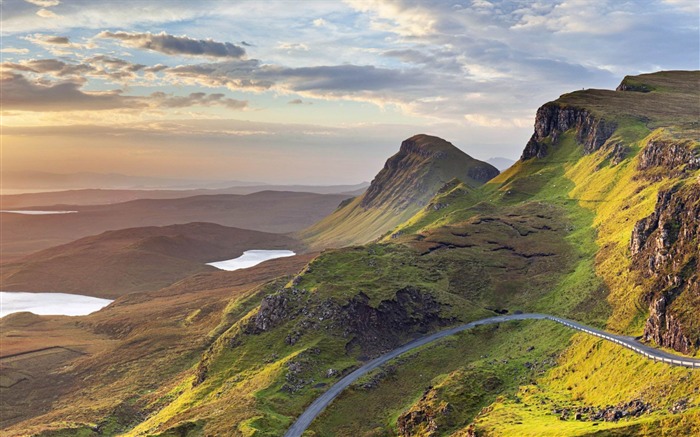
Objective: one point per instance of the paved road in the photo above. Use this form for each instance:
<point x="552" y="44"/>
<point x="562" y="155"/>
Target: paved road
<point x="326" y="398"/>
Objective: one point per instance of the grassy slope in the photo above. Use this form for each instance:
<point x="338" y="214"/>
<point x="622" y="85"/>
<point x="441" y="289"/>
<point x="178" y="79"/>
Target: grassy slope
<point x="547" y="235"/>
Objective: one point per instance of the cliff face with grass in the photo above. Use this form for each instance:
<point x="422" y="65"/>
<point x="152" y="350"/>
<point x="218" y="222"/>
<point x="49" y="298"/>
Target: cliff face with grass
<point x="406" y="184"/>
<point x="598" y="223"/>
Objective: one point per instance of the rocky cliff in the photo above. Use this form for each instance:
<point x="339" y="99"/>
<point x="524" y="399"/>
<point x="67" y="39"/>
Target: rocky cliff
<point x="554" y="119"/>
<point x="665" y="248"/>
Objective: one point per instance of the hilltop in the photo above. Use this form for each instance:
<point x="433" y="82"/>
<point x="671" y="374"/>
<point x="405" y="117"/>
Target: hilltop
<point x="135" y="259"/>
<point x="406" y="184"/>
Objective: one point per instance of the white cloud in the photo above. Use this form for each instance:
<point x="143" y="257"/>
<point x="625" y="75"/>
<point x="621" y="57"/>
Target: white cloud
<point x="44" y="3"/>
<point x="14" y="50"/>
<point x="45" y="13"/>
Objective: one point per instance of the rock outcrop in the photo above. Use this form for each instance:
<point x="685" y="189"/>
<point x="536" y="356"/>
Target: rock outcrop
<point x="672" y="156"/>
<point x="665" y="248"/>
<point x="370" y="330"/>
<point x="554" y="119"/>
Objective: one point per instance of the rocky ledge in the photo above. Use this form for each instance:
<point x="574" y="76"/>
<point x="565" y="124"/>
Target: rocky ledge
<point x="554" y="119"/>
<point x="673" y="156"/>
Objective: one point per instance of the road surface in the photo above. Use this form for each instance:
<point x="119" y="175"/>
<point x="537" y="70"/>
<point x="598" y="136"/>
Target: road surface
<point x="326" y="398"/>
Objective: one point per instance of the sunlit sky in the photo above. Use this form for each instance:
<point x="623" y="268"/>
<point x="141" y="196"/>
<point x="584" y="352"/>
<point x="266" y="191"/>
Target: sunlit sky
<point x="314" y="92"/>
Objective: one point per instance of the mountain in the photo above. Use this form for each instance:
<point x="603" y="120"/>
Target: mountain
<point x="406" y="184"/>
<point x="136" y="259"/>
<point x="33" y="180"/>
<point x="597" y="222"/>
<point x="266" y="211"/>
<point x="500" y="163"/>
<point x="105" y="196"/>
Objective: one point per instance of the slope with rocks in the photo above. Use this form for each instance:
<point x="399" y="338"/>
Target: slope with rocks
<point x="407" y="182"/>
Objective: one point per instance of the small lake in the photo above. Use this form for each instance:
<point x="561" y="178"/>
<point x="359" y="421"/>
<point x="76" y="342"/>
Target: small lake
<point x="60" y="304"/>
<point x="250" y="258"/>
<point x="35" y="212"/>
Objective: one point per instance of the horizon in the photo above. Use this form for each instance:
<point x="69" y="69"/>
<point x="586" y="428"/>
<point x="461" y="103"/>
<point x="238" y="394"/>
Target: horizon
<point x="319" y="94"/>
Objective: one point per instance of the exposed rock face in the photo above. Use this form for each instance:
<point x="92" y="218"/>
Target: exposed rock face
<point x="553" y="119"/>
<point x="409" y="176"/>
<point x="674" y="156"/>
<point x="371" y="330"/>
<point x="425" y="419"/>
<point x="665" y="248"/>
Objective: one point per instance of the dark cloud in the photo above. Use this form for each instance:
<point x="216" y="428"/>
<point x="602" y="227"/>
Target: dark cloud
<point x="296" y="102"/>
<point x="52" y="66"/>
<point x="241" y="74"/>
<point x="343" y="79"/>
<point x="19" y="93"/>
<point x="60" y="40"/>
<point x="176" y="45"/>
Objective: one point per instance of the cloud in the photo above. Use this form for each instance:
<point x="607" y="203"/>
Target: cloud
<point x="176" y="45"/>
<point x="14" y="50"/>
<point x="491" y="121"/>
<point x="53" y="66"/>
<point x="299" y="102"/>
<point x="19" y="93"/>
<point x="402" y="18"/>
<point x="239" y="74"/>
<point x="23" y="94"/>
<point x="100" y="66"/>
<point x="45" y="13"/>
<point x="44" y="3"/>
<point x="320" y="22"/>
<point x="57" y="45"/>
<point x="293" y="46"/>
<point x="198" y="99"/>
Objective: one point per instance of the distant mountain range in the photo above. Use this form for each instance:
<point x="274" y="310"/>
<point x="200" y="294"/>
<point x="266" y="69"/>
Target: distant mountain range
<point x="266" y="211"/>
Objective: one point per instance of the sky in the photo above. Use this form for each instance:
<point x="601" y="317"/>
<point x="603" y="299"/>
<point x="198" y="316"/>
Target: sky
<point x="313" y="92"/>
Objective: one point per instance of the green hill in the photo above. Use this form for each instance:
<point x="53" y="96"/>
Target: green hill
<point x="406" y="184"/>
<point x="598" y="222"/>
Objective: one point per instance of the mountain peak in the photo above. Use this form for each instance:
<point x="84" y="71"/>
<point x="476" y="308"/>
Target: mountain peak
<point x="428" y="146"/>
<point x="408" y="181"/>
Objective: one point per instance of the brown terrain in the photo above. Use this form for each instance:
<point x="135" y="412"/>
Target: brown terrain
<point x="267" y="211"/>
<point x="59" y="363"/>
<point x="97" y="196"/>
<point x="114" y="263"/>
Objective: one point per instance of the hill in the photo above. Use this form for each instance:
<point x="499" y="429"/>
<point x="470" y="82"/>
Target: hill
<point x="136" y="259"/>
<point x="105" y="196"/>
<point x="266" y="211"/>
<point x="597" y="222"/>
<point x="406" y="184"/>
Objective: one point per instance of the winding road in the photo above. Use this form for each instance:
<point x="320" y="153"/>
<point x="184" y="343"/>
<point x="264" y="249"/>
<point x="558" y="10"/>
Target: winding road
<point x="303" y="422"/>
